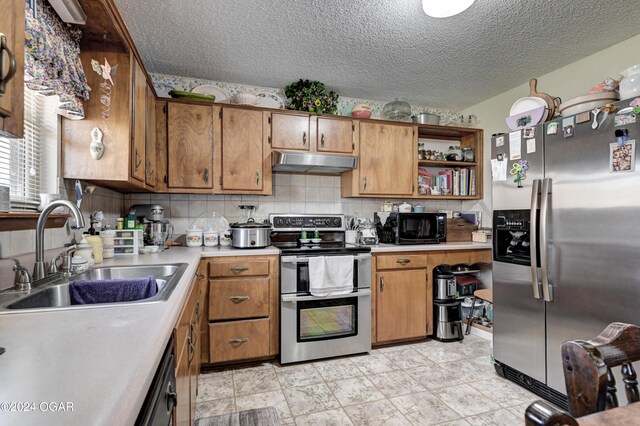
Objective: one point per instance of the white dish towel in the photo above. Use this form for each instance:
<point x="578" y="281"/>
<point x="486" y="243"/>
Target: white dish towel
<point x="331" y="275"/>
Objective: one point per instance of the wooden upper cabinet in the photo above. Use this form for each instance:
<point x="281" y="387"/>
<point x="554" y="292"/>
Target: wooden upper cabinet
<point x="242" y="152"/>
<point x="189" y="145"/>
<point x="12" y="78"/>
<point x="139" y="120"/>
<point x="335" y="136"/>
<point x="242" y="160"/>
<point x="150" y="170"/>
<point x="387" y="160"/>
<point x="290" y="131"/>
<point x="401" y="299"/>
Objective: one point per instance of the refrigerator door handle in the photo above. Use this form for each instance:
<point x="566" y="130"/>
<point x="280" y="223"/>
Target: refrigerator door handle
<point x="544" y="218"/>
<point x="533" y="248"/>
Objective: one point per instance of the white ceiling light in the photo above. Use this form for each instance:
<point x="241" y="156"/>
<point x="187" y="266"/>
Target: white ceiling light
<point x="445" y="8"/>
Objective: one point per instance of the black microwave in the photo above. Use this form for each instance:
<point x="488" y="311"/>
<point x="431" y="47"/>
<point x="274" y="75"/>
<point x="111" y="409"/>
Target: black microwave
<point x="411" y="228"/>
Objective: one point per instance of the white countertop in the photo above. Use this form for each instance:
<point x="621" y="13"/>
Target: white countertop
<point x="392" y="248"/>
<point x="102" y="359"/>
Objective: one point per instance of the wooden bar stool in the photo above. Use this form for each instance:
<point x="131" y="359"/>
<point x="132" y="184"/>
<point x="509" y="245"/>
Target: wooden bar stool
<point x="483" y="294"/>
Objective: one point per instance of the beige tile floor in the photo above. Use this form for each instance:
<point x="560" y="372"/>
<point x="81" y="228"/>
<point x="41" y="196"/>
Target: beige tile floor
<point x="425" y="383"/>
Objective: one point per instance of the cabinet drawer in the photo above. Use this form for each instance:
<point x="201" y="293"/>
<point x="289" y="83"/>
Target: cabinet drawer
<point x="238" y="268"/>
<point x="401" y="261"/>
<point x="238" y="340"/>
<point x="238" y="298"/>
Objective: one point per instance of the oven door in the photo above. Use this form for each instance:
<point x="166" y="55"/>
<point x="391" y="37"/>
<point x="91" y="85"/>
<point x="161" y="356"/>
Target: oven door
<point x="294" y="273"/>
<point x="421" y="228"/>
<point x="320" y="327"/>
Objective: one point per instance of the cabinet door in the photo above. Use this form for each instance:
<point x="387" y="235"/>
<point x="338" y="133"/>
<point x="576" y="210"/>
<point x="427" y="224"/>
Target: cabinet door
<point x="335" y="135"/>
<point x="386" y="159"/>
<point x="401" y="304"/>
<point x="242" y="150"/>
<point x="182" y="412"/>
<point x="12" y="78"/>
<point x="193" y="363"/>
<point x="151" y="139"/>
<point x="189" y="145"/>
<point x="138" y="150"/>
<point x="289" y="131"/>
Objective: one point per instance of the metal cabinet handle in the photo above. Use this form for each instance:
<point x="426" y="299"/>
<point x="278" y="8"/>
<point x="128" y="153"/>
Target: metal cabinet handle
<point x="192" y="347"/>
<point x="321" y="140"/>
<point x="12" y="64"/>
<point x="257" y="177"/>
<point x="381" y="284"/>
<point x="138" y="159"/>
<point x="206" y="174"/>
<point x="365" y="183"/>
<point x="533" y="248"/>
<point x="239" y="268"/>
<point x="240" y="340"/>
<point x="304" y="138"/>
<point x="200" y="277"/>
<point x="238" y="299"/>
<point x="544" y="259"/>
<point x="149" y="168"/>
<point x="198" y="310"/>
<point x="403" y="261"/>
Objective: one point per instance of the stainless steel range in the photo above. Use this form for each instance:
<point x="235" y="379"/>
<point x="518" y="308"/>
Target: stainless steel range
<point x="313" y="327"/>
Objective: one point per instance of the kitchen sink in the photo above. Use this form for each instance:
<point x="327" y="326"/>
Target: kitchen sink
<point x="55" y="293"/>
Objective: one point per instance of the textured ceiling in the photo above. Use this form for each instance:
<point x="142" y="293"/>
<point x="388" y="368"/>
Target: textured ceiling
<point x="375" y="49"/>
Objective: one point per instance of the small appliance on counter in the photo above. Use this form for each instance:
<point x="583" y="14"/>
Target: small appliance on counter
<point x="446" y="308"/>
<point x="157" y="229"/>
<point x="411" y="228"/>
<point x="250" y="234"/>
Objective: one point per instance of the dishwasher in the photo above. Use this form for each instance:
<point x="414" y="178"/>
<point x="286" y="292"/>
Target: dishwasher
<point x="157" y="409"/>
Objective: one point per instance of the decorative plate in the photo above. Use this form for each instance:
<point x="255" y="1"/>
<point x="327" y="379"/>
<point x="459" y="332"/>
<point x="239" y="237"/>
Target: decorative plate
<point x="269" y="100"/>
<point x="222" y="97"/>
<point x="525" y="104"/>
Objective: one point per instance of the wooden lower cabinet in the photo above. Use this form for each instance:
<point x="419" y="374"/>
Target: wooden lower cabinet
<point x="187" y="355"/>
<point x="401" y="304"/>
<point x="238" y="340"/>
<point x="402" y="294"/>
<point x="242" y="309"/>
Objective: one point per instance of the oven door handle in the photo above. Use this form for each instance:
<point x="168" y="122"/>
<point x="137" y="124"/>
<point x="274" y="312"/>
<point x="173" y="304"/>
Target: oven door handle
<point x="293" y="298"/>
<point x="292" y="259"/>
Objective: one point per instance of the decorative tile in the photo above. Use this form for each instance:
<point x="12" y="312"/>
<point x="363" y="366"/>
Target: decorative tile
<point x="336" y="369"/>
<point x="377" y="413"/>
<point x="502" y="417"/>
<point x="310" y="399"/>
<point x="355" y="390"/>
<point x="423" y="408"/>
<point x="396" y="383"/>
<point x="256" y="380"/>
<point x="298" y="375"/>
<point x="261" y="400"/>
<point x="324" y="418"/>
<point x="504" y="392"/>
<point x="408" y="358"/>
<point x="215" y="386"/>
<point x="374" y="364"/>
<point x="465" y="400"/>
<point x="215" y="407"/>
<point x="435" y="376"/>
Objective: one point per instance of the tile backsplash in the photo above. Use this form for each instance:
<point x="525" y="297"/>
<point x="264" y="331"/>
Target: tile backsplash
<point x="292" y="193"/>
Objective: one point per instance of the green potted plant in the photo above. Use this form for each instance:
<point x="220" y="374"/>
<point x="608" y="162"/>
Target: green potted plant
<point x="311" y="96"/>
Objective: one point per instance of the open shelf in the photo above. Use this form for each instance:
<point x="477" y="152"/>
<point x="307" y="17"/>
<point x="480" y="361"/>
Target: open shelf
<point x="436" y="163"/>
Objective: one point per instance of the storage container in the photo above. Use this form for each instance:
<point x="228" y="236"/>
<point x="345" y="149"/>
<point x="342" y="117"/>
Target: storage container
<point x="478" y="309"/>
<point x="128" y="241"/>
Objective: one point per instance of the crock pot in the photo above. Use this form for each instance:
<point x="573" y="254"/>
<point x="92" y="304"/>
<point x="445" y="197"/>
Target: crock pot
<point x="250" y="234"/>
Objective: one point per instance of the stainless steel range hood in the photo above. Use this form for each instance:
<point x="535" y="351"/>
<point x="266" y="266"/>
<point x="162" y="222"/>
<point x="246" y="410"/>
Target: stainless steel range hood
<point x="302" y="162"/>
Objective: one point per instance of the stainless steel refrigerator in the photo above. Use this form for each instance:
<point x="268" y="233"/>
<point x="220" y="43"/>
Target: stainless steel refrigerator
<point x="566" y="243"/>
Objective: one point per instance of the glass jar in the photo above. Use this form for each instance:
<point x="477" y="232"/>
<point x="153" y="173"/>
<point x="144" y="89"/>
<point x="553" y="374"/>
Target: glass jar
<point x="468" y="155"/>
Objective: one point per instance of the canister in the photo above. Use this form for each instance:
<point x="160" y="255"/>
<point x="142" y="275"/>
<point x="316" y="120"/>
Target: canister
<point x="194" y="237"/>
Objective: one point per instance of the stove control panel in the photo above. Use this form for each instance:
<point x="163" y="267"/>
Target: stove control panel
<point x="300" y="221"/>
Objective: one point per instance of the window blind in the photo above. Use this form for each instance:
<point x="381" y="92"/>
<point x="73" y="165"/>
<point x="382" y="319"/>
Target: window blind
<point x="29" y="165"/>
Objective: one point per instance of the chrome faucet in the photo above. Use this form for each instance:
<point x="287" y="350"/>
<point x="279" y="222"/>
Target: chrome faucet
<point x="39" y="268"/>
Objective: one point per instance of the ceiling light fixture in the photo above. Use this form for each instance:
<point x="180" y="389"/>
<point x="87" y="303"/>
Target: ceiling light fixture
<point x="445" y="8"/>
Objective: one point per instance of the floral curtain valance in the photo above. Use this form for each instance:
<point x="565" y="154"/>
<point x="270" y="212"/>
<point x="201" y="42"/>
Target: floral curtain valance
<point x="52" y="58"/>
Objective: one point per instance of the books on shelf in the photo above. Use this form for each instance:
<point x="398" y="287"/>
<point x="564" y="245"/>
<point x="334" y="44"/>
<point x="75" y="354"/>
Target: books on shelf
<point x="456" y="182"/>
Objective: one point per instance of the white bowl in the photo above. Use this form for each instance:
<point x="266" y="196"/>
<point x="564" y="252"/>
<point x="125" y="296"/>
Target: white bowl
<point x="316" y="240"/>
<point x="152" y="249"/>
<point x="304" y="240"/>
<point x="245" y="98"/>
<point x="630" y="84"/>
